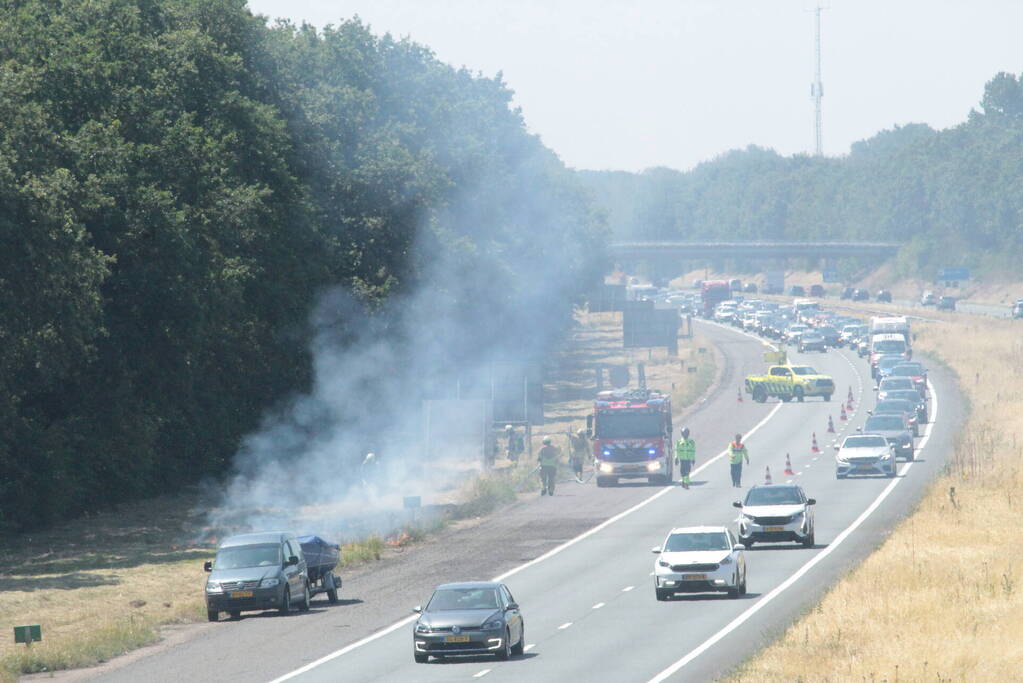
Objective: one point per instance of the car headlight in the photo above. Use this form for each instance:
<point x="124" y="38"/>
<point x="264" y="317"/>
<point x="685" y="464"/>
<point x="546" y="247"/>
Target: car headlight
<point x="841" y="459"/>
<point x="798" y="516"/>
<point x="493" y="625"/>
<point x="653" y="466"/>
<point x="214" y="587"/>
<point x="727" y="560"/>
<point x="269" y="583"/>
<point x="886" y="456"/>
<point x="423" y="628"/>
<point x="606" y="467"/>
<point x="662" y="563"/>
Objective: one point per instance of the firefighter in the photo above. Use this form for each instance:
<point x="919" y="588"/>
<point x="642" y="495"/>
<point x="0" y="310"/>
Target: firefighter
<point x="580" y="449"/>
<point x="548" y="459"/>
<point x="685" y="454"/>
<point x="736" y="454"/>
<point x="515" y="443"/>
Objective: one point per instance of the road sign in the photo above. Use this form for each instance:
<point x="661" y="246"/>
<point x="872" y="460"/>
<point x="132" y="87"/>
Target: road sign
<point x="28" y="634"/>
<point x="831" y="275"/>
<point x="954" y="274"/>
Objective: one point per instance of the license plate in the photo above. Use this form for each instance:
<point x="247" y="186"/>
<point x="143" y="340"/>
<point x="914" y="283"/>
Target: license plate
<point x="694" y="577"/>
<point x="456" y="639"/>
<point x="241" y="594"/>
<point x="774" y="528"/>
<point x="866" y="468"/>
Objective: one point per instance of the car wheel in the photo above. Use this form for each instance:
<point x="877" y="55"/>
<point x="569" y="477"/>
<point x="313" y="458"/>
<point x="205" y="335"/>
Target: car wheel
<point x="285" y="601"/>
<point x="733" y="593"/>
<point x="827" y="397"/>
<point x="759" y="395"/>
<point x="213" y="615"/>
<point x="839" y="476"/>
<point x="332" y="593"/>
<point x="420" y="659"/>
<point x="799" y="394"/>
<point x="505" y="652"/>
<point x="236" y="614"/>
<point x="742" y="588"/>
<point x="891" y="473"/>
<point x="520" y="647"/>
<point x="662" y="594"/>
<point x="306" y="599"/>
<point x="808" y="542"/>
<point x="747" y="544"/>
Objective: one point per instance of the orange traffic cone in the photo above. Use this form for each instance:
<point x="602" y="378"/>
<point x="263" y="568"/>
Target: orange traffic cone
<point x="788" y="465"/>
<point x="842" y="416"/>
<point x="767" y="476"/>
<point x="738" y="396"/>
<point x="831" y="425"/>
<point x="813" y="445"/>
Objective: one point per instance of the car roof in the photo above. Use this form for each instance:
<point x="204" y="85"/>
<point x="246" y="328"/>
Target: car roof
<point x="853" y="436"/>
<point x="256" y="538"/>
<point x="467" y="585"/>
<point x="697" y="529"/>
<point x="774" y="487"/>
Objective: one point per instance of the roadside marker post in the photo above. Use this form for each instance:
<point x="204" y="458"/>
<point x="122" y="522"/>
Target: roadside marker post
<point x="28" y="634"/>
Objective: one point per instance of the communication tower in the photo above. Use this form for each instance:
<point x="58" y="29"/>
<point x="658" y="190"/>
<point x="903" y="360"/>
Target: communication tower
<point x="817" y="87"/>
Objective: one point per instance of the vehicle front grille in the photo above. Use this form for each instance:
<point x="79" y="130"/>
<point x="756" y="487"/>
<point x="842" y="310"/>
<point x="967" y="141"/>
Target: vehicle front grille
<point x="823" y="383"/>
<point x="862" y="461"/>
<point x="694" y="567"/>
<point x="471" y="645"/>
<point x="628" y="455"/>
<point x="239" y="585"/>
<point x="771" y="521"/>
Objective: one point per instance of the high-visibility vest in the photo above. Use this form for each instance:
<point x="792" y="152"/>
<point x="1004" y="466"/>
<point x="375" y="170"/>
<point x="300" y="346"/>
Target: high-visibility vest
<point x="549" y="456"/>
<point x="738" y="452"/>
<point x="685" y="449"/>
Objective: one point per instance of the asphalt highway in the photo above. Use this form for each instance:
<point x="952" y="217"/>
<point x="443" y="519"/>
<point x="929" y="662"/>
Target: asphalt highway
<point x="580" y="565"/>
<point x="590" y="610"/>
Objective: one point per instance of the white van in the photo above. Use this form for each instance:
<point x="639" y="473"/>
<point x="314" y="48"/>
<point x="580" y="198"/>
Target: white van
<point x="887" y="345"/>
<point x="891" y="325"/>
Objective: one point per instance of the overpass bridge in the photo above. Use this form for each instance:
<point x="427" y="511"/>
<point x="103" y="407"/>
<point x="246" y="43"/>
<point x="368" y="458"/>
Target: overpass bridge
<point x="700" y="251"/>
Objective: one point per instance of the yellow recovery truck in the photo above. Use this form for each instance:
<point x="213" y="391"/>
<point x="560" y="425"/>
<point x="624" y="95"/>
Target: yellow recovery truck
<point x="786" y="381"/>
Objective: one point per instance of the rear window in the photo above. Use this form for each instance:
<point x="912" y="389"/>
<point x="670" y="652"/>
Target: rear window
<point x="889" y="346"/>
<point x="907" y="370"/>
<point x="894" y="406"/>
<point x="884" y="423"/>
<point x="892" y="383"/>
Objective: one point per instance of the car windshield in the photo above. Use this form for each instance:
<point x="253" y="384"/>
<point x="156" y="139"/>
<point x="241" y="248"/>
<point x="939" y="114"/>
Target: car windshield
<point x="906" y="370"/>
<point x="864" y="442"/>
<point x="893" y="406"/>
<point x="804" y="370"/>
<point x="892" y="383"/>
<point x="242" y="556"/>
<point x="626" y="424"/>
<point x="702" y="540"/>
<point x="774" y="495"/>
<point x="884" y="423"/>
<point x="906" y="395"/>
<point x="888" y="362"/>
<point x="889" y="346"/>
<point x="450" y="599"/>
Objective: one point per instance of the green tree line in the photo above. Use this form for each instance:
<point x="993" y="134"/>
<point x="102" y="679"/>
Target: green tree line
<point x="180" y="181"/>
<point x="953" y="196"/>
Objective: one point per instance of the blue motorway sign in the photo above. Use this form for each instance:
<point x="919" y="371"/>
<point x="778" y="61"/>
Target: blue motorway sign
<point x="954" y="274"/>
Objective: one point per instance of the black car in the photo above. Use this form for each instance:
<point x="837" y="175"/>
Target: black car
<point x="946" y="303"/>
<point x="895" y="428"/>
<point x="902" y="406"/>
<point x="884" y="295"/>
<point x="914" y="396"/>
<point x="860" y="295"/>
<point x="817" y="290"/>
<point x="832" y="337"/>
<point x="811" y="340"/>
<point x="473" y="618"/>
<point x="847" y="293"/>
<point x="797" y="290"/>
<point x="750" y="288"/>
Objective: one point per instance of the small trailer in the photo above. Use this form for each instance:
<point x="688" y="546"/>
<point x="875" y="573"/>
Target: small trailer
<point x="321" y="557"/>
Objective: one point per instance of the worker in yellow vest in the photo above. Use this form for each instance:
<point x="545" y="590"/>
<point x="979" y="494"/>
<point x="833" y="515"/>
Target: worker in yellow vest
<point x="548" y="459"/>
<point x="736" y="454"/>
<point x="685" y="455"/>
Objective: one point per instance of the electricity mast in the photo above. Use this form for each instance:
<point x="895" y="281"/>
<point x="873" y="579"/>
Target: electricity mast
<point x="817" y="87"/>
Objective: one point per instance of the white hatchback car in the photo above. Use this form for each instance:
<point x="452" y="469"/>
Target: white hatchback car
<point x="775" y="513"/>
<point x="699" y="559"/>
<point x="865" y="454"/>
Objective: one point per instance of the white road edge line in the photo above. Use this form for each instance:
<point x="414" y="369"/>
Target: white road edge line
<point x="565" y="625"/>
<point x="627" y="589"/>
<point x="745" y="616"/>
<point x="598" y="605"/>
<point x="550" y="553"/>
<point x="481" y="674"/>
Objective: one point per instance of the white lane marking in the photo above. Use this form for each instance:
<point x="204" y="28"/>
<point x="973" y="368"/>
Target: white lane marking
<point x="550" y="553"/>
<point x="529" y="647"/>
<point x="627" y="589"/>
<point x="598" y="605"/>
<point x="798" y="574"/>
<point x="481" y="674"/>
<point x="565" y="625"/>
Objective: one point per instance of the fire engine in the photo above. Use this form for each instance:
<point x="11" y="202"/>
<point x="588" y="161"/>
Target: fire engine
<point x="631" y="432"/>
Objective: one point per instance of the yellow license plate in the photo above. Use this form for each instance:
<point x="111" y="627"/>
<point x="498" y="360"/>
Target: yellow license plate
<point x="456" y="639"/>
<point x="241" y="594"/>
<point x="774" y="528"/>
<point x="694" y="577"/>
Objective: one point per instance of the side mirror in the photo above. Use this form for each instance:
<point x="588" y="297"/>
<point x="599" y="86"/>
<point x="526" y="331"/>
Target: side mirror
<point x="737" y="504"/>
<point x="811" y="501"/>
<point x="870" y="412"/>
<point x="738" y="546"/>
<point x="876" y="388"/>
<point x="512" y="606"/>
<point x="418" y="609"/>
<point x="207" y="566"/>
<point x="656" y="550"/>
<point x="293" y="560"/>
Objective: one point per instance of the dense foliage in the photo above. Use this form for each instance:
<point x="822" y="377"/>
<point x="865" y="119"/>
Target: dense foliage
<point x="180" y="181"/>
<point x="953" y="196"/>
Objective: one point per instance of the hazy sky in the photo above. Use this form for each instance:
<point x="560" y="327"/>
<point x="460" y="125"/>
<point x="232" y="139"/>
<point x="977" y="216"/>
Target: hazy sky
<point x="610" y="84"/>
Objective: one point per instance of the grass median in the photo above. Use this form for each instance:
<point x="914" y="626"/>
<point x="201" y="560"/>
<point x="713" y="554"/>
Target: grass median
<point x="941" y="599"/>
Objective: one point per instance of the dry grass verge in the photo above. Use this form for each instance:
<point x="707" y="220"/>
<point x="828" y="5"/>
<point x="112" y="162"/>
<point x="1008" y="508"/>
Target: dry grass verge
<point x="941" y="599"/>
